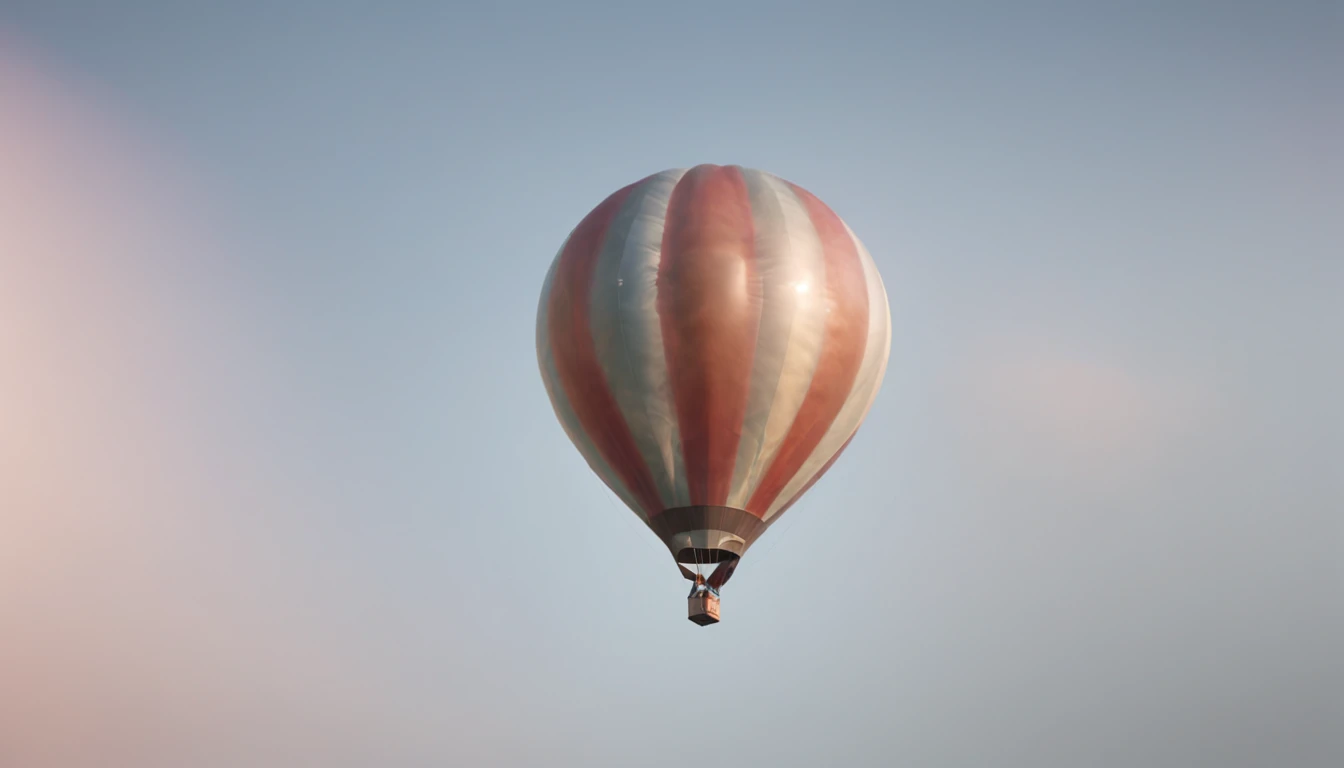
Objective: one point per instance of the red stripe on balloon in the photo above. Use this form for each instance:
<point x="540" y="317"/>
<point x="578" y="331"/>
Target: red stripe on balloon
<point x="583" y="380"/>
<point x="843" y="343"/>
<point x="709" y="305"/>
<point x="825" y="467"/>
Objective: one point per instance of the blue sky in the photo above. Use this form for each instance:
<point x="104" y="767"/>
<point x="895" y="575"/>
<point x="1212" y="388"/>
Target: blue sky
<point x="1091" y="519"/>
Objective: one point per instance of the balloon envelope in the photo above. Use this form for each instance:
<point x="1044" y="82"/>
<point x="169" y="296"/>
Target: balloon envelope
<point x="711" y="340"/>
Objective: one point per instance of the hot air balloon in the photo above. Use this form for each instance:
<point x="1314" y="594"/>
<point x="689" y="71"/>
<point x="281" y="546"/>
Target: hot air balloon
<point x="710" y="340"/>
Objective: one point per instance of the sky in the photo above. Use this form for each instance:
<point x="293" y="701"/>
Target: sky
<point x="280" y="484"/>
